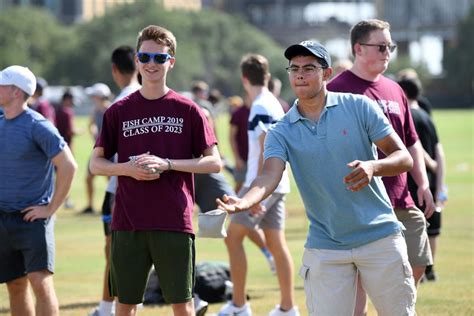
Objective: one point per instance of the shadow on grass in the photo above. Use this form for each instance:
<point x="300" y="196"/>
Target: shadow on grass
<point x="6" y="311"/>
<point x="253" y="293"/>
<point x="78" y="305"/>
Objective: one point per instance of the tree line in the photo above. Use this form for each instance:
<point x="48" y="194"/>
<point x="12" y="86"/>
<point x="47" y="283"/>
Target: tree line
<point x="210" y="45"/>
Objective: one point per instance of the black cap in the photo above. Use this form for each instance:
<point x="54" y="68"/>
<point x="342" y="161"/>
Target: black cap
<point x="312" y="47"/>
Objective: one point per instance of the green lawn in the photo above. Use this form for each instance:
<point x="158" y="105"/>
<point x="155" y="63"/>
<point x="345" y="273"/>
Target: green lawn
<point x="79" y="260"/>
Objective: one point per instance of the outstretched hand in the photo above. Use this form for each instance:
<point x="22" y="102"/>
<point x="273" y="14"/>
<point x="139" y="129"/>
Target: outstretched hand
<point x="233" y="204"/>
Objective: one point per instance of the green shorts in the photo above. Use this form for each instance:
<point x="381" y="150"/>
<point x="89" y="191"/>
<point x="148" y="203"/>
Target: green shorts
<point x="134" y="252"/>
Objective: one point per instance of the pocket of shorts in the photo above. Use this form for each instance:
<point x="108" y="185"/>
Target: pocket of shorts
<point x="304" y="273"/>
<point x="407" y="270"/>
<point x="411" y="292"/>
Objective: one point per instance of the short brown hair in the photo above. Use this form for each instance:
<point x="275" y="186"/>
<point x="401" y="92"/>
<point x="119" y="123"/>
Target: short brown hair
<point x="255" y="68"/>
<point x="158" y="34"/>
<point x="360" y="32"/>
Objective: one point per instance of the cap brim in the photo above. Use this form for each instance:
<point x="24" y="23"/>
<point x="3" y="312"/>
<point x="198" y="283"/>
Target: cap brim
<point x="297" y="50"/>
<point x="91" y="92"/>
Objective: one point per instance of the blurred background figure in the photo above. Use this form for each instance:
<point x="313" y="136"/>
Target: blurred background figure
<point x="124" y="73"/>
<point x="209" y="187"/>
<point x="238" y="138"/>
<point x="340" y="65"/>
<point x="274" y="85"/>
<point x="65" y="117"/>
<point x="200" y="95"/>
<point x="100" y="95"/>
<point x="434" y="161"/>
<point x="423" y="102"/>
<point x="38" y="103"/>
<point x="218" y="102"/>
<point x="65" y="126"/>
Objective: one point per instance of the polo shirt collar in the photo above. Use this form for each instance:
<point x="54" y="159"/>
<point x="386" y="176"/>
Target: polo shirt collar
<point x="294" y="115"/>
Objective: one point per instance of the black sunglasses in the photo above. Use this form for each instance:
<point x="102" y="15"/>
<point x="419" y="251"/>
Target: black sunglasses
<point x="158" y="58"/>
<point x="382" y="47"/>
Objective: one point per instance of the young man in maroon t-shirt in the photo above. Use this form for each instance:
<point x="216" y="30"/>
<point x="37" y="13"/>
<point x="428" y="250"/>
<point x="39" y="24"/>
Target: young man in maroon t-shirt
<point x="161" y="139"/>
<point x="371" y="46"/>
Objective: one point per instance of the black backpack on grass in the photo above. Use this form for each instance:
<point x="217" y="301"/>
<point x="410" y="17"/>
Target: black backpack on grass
<point x="212" y="284"/>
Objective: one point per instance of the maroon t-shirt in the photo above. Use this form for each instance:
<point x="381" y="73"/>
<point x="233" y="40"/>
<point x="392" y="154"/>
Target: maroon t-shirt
<point x="65" y="123"/>
<point x="169" y="127"/>
<point x="240" y="119"/>
<point x="43" y="107"/>
<point x="391" y="98"/>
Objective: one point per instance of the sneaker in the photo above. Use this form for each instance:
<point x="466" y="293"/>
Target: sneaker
<point x="200" y="306"/>
<point x="96" y="312"/>
<point x="68" y="204"/>
<point x="430" y="276"/>
<point x="230" y="309"/>
<point x="88" y="210"/>
<point x="278" y="312"/>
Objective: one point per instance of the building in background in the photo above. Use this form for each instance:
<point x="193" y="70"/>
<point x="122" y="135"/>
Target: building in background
<point x="417" y="26"/>
<point x="421" y="29"/>
<point x="72" y="11"/>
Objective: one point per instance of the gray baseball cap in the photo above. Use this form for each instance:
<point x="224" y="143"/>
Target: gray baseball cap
<point x="311" y="47"/>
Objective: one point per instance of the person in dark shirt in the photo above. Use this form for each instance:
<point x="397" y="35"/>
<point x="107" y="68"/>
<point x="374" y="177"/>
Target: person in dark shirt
<point x="65" y="117"/>
<point x="40" y="104"/>
<point x="434" y="161"/>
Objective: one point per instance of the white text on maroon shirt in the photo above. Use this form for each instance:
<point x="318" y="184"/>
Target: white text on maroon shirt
<point x="388" y="106"/>
<point x="155" y="124"/>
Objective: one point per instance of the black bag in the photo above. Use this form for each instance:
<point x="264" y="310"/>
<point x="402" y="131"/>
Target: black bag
<point x="213" y="281"/>
<point x="153" y="294"/>
<point x="212" y="284"/>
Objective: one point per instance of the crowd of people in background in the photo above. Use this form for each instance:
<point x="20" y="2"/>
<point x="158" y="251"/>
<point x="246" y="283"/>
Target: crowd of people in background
<point x="164" y="166"/>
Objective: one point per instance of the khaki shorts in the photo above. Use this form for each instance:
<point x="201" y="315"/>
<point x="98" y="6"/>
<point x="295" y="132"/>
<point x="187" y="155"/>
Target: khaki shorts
<point x="330" y="278"/>
<point x="416" y="236"/>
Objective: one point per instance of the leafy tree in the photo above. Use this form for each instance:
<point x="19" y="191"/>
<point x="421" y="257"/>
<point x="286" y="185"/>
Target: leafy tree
<point x="210" y="45"/>
<point x="31" y="37"/>
<point x="403" y="62"/>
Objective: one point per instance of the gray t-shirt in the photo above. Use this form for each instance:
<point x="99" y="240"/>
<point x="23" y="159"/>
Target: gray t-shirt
<point x="28" y="144"/>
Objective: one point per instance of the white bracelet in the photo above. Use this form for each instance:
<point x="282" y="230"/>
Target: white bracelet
<point x="169" y="164"/>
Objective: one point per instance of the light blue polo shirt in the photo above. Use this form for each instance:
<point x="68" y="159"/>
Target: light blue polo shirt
<point x="318" y="153"/>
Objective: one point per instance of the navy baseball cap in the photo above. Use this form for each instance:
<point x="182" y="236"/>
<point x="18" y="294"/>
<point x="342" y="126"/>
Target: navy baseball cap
<point x="312" y="47"/>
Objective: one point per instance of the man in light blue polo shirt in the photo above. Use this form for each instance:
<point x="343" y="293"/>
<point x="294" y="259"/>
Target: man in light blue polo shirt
<point x="330" y="140"/>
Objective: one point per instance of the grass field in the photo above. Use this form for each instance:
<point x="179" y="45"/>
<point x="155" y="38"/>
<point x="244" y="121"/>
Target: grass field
<point x="80" y="260"/>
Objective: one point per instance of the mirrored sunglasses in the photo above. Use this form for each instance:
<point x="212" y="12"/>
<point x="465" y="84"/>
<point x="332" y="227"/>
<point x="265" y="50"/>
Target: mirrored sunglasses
<point x="158" y="58"/>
